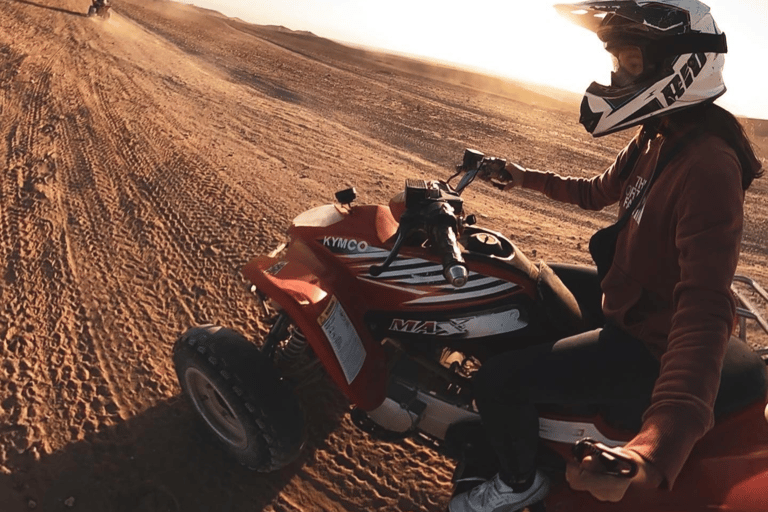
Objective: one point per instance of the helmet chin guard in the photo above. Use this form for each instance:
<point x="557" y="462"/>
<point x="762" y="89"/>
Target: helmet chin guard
<point x="682" y="48"/>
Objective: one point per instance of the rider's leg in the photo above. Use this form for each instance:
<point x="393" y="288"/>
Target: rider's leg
<point x="600" y="367"/>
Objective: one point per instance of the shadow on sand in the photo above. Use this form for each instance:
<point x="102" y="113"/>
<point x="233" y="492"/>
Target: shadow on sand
<point x="58" y="9"/>
<point x="162" y="460"/>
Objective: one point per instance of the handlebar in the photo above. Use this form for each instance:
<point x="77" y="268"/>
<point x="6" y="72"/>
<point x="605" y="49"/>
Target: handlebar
<point x="439" y="221"/>
<point x="435" y="208"/>
<point x="476" y="163"/>
<point x="443" y="236"/>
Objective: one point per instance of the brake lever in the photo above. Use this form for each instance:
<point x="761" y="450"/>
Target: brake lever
<point x="614" y="463"/>
<point x="468" y="178"/>
<point x="377" y="270"/>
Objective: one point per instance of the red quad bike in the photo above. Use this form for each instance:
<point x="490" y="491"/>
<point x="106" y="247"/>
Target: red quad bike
<point x="401" y="312"/>
<point x="100" y="8"/>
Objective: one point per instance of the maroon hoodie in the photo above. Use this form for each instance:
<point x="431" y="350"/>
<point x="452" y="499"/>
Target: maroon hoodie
<point x="669" y="284"/>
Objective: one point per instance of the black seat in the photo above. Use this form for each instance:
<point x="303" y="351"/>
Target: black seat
<point x="744" y="379"/>
<point x="572" y="294"/>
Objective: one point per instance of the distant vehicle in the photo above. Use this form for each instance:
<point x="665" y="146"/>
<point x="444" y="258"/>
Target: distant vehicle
<point x="401" y="306"/>
<point x="100" y="8"/>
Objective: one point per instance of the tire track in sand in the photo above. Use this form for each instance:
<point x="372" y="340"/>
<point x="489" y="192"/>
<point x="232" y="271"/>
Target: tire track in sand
<point x="174" y="200"/>
<point x="132" y="210"/>
<point x="47" y="368"/>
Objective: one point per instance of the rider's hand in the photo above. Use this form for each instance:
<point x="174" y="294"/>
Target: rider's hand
<point x="516" y="174"/>
<point x="589" y="476"/>
<point x="506" y="177"/>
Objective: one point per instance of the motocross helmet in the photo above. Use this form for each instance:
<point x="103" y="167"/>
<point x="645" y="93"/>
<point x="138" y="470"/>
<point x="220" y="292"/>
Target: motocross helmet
<point x="667" y="54"/>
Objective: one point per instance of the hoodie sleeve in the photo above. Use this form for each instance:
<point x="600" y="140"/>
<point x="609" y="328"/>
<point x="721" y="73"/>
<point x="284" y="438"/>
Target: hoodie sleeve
<point x="590" y="194"/>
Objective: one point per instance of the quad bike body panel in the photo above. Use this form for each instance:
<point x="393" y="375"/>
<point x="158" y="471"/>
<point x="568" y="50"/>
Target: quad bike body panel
<point x="402" y="308"/>
<point x="353" y="360"/>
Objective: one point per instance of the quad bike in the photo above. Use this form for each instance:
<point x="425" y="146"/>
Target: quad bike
<point x="100" y="8"/>
<point x="400" y="304"/>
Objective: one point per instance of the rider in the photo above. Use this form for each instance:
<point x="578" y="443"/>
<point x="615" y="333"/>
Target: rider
<point x="666" y="273"/>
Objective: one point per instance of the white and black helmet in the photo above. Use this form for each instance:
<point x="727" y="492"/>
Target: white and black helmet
<point x="668" y="55"/>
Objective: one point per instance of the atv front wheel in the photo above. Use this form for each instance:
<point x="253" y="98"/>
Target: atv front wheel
<point x="240" y="396"/>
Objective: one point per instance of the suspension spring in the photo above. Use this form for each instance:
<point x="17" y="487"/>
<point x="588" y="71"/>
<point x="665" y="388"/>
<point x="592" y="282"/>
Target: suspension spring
<point x="293" y="347"/>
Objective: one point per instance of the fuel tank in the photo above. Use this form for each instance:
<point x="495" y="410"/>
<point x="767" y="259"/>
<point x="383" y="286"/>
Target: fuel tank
<point x="411" y="299"/>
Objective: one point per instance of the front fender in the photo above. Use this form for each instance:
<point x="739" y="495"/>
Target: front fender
<point x="350" y="355"/>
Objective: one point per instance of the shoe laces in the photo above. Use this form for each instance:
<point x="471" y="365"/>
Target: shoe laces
<point x="488" y="490"/>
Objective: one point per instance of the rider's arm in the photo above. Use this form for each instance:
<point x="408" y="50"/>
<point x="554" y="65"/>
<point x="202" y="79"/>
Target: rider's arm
<point x="708" y="228"/>
<point x="591" y="194"/>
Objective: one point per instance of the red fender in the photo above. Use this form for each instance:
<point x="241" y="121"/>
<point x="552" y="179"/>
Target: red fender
<point x="748" y="496"/>
<point x="350" y="355"/>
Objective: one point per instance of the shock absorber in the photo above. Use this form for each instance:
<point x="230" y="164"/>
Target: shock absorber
<point x="303" y="371"/>
<point x="293" y="347"/>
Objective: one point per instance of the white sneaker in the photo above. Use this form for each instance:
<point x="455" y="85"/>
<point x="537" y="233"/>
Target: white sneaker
<point x="495" y="496"/>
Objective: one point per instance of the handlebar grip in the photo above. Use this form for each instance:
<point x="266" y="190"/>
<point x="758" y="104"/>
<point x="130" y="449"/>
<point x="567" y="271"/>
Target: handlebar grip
<point x="454" y="269"/>
<point x="614" y="464"/>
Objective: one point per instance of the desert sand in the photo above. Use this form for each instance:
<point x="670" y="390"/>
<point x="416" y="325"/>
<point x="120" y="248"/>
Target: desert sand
<point x="146" y="159"/>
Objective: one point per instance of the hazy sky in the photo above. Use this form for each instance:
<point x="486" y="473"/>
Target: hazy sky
<point x="515" y="38"/>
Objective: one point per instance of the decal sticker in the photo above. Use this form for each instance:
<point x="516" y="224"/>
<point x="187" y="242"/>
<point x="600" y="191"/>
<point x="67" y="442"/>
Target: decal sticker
<point x="448" y="328"/>
<point x="480" y="326"/>
<point x="344" y="245"/>
<point x="489" y="287"/>
<point x="345" y="341"/>
<point x="414" y="275"/>
<point x="675" y="89"/>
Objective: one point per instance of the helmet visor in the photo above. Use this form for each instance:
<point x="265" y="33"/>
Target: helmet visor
<point x="628" y="64"/>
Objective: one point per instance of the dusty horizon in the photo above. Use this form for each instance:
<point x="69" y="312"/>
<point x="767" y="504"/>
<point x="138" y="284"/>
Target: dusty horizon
<point x="519" y="39"/>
